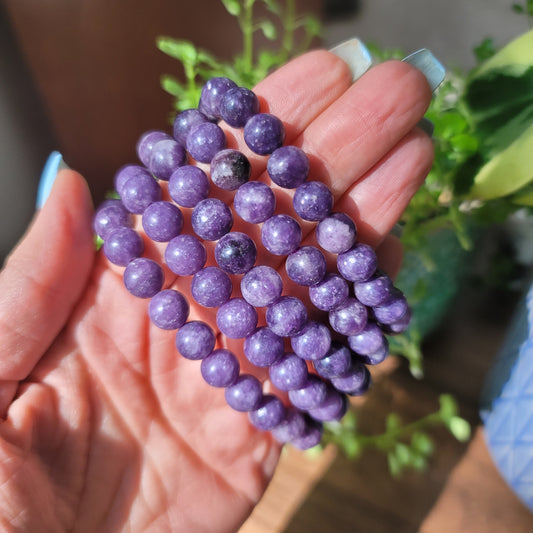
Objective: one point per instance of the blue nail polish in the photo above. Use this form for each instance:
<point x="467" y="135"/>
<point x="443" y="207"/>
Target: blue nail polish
<point x="53" y="164"/>
<point x="355" y="54"/>
<point x="429" y="65"/>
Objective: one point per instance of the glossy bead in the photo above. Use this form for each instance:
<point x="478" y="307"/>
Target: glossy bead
<point x="230" y="169"/>
<point x="306" y="266"/>
<point x="109" y="216"/>
<point x="122" y="245"/>
<point x="139" y="191"/>
<point x="289" y="373"/>
<point x="263" y="133"/>
<point x="167" y="155"/>
<point x="212" y="94"/>
<point x="168" y="309"/>
<point x="211" y="219"/>
<point x="286" y="316"/>
<point x="237" y="105"/>
<point x="261" y="286"/>
<point x="263" y="347"/>
<point x="313" y="342"/>
<point x="126" y="172"/>
<point x="369" y="340"/>
<point x="329" y="293"/>
<point x="211" y="287"/>
<point x="235" y="253"/>
<point x="245" y="394"/>
<point x="146" y="142"/>
<point x="195" y="340"/>
<point x="311" y="395"/>
<point x="358" y="263"/>
<point x="254" y="202"/>
<point x="183" y="123"/>
<point x="268" y="414"/>
<point x="288" y="167"/>
<point x="205" y="140"/>
<point x="333" y="408"/>
<point x="355" y="381"/>
<point x="291" y="427"/>
<point x="185" y="255"/>
<point x="188" y="185"/>
<point x="236" y="318"/>
<point x="311" y="437"/>
<point x="374" y="291"/>
<point x="143" y="277"/>
<point x="281" y="234"/>
<point x="337" y="361"/>
<point x="312" y="201"/>
<point x="336" y="233"/>
<point x="162" y="221"/>
<point x="350" y="318"/>
<point x="392" y="310"/>
<point x="220" y="368"/>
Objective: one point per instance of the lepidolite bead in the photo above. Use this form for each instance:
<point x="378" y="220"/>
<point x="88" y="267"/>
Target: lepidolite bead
<point x="254" y="202"/>
<point x="211" y="287"/>
<point x="333" y="408"/>
<point x="281" y="234"/>
<point x="355" y="381"/>
<point x="220" y="368"/>
<point x="393" y="309"/>
<point x="139" y="191"/>
<point x="263" y="347"/>
<point x="376" y="357"/>
<point x="146" y="142"/>
<point x="167" y="155"/>
<point x="268" y="414"/>
<point x="168" y="309"/>
<point x="212" y="94"/>
<point x="374" y="291"/>
<point x="264" y="133"/>
<point x="236" y="318"/>
<point x="310" y="438"/>
<point x="211" y="219"/>
<point x="289" y="373"/>
<point x="188" y="185"/>
<point x="329" y="293"/>
<point x="245" y="394"/>
<point x="162" y="221"/>
<point x="230" y="169"/>
<point x="185" y="255"/>
<point x="286" y="316"/>
<point x="336" y="233"/>
<point x="122" y="245"/>
<point x="237" y="105"/>
<point x="358" y="263"/>
<point x="312" y="201"/>
<point x="369" y="340"/>
<point x="235" y="253"/>
<point x="313" y="342"/>
<point x="195" y="340"/>
<point x="291" y="427"/>
<point x="337" y="361"/>
<point x="205" y="140"/>
<point x="350" y="318"/>
<point x="143" y="277"/>
<point x="183" y="123"/>
<point x="110" y="216"/>
<point x="311" y="395"/>
<point x="126" y="172"/>
<point x="306" y="266"/>
<point x="400" y="325"/>
<point x="288" y="167"/>
<point x="261" y="286"/>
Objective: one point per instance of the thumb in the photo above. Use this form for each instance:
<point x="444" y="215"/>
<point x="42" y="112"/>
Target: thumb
<point x="45" y="275"/>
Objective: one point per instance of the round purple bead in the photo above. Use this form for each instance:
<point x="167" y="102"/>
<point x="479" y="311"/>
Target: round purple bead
<point x="235" y="253"/>
<point x="211" y="287"/>
<point x="289" y="373"/>
<point x="139" y="191"/>
<point x="269" y="413"/>
<point x="354" y="381"/>
<point x="188" y="185"/>
<point x="358" y="263"/>
<point x="237" y="105"/>
<point x="205" y="140"/>
<point x="236" y="318"/>
<point x="146" y="142"/>
<point x="350" y="318"/>
<point x="183" y="123"/>
<point x="400" y="325"/>
<point x="261" y="286"/>
<point x="263" y="347"/>
<point x="195" y="340"/>
<point x="336" y="233"/>
<point x="122" y="245"/>
<point x="312" y="201"/>
<point x="311" y="395"/>
<point x="230" y="169"/>
<point x="110" y="216"/>
<point x="329" y="293"/>
<point x="162" y="221"/>
<point x="288" y="166"/>
<point x="374" y="291"/>
<point x="211" y="96"/>
<point x="264" y="133"/>
<point x="220" y="368"/>
<point x="393" y="310"/>
<point x="286" y="316"/>
<point x="254" y="202"/>
<point x="377" y="357"/>
<point x="291" y="427"/>
<point x="311" y="437"/>
<point x="369" y="340"/>
<point x="168" y="309"/>
<point x="167" y="156"/>
<point x="211" y="219"/>
<point x="337" y="361"/>
<point x="333" y="408"/>
<point x="245" y="394"/>
<point x="281" y="234"/>
<point x="306" y="266"/>
<point x="313" y="342"/>
<point x="185" y="255"/>
<point x="143" y="277"/>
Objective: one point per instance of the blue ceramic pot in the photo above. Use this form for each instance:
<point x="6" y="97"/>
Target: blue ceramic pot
<point x="507" y="404"/>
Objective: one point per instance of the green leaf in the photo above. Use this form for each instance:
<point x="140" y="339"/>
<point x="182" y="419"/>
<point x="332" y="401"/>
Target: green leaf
<point x="507" y="171"/>
<point x="172" y="86"/>
<point x="351" y="446"/>
<point x="422" y="443"/>
<point x="395" y="468"/>
<point x="312" y="26"/>
<point x="98" y="242"/>
<point x="273" y="6"/>
<point x="484" y="50"/>
<point x="392" y="422"/>
<point x="268" y="29"/>
<point x="460" y="428"/>
<point x="185" y="51"/>
<point x="233" y="7"/>
<point x="448" y="407"/>
<point x="465" y="143"/>
<point x="403" y="454"/>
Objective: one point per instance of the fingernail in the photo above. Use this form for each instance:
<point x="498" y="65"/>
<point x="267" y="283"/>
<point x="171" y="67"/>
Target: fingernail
<point x="426" y="125"/>
<point x="53" y="165"/>
<point x="355" y="54"/>
<point x="429" y="65"/>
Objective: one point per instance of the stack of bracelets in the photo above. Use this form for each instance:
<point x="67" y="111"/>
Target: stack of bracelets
<point x="327" y="358"/>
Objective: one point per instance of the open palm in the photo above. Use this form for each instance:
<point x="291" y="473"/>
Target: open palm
<point x="105" y="426"/>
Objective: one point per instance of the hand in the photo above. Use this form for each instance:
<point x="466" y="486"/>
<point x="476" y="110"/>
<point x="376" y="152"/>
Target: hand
<point x="106" y="427"/>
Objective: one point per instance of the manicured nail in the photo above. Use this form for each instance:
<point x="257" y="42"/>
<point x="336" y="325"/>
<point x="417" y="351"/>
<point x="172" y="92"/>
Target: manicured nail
<point x="53" y="165"/>
<point x="426" y="125"/>
<point x="355" y="54"/>
<point x="429" y="65"/>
